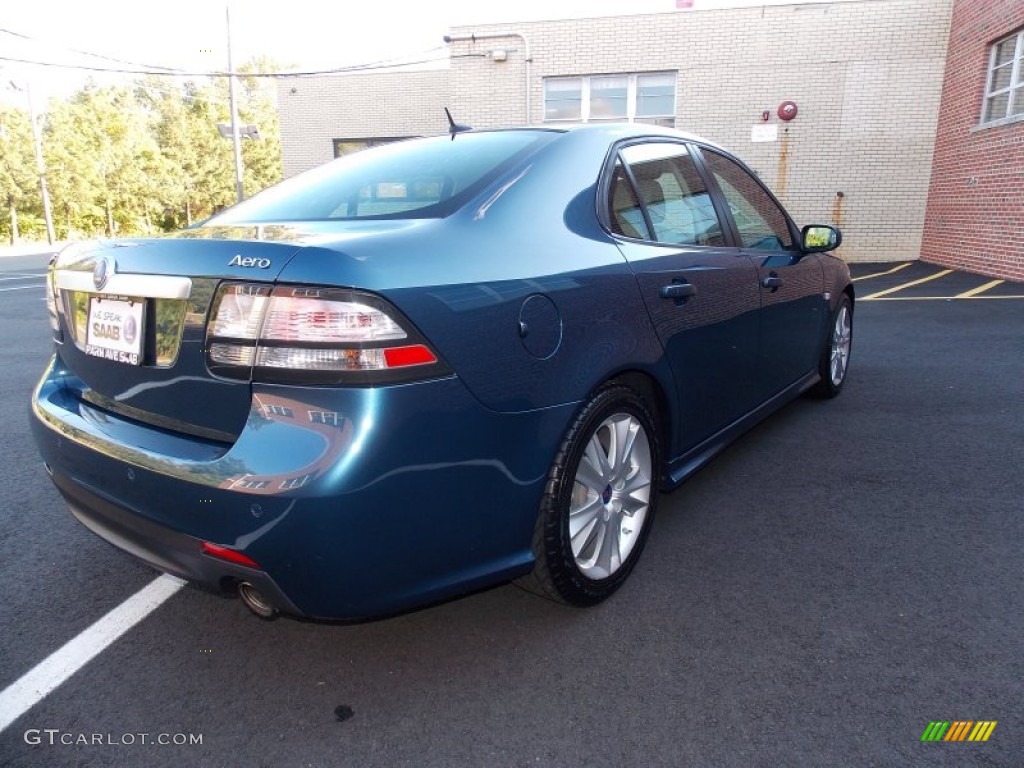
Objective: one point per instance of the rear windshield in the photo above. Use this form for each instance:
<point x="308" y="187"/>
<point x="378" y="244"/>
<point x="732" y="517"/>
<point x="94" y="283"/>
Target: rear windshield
<point x="416" y="179"/>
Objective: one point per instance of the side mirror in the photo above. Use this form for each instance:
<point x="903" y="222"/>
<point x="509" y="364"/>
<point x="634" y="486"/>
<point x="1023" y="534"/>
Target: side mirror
<point x="817" y="238"/>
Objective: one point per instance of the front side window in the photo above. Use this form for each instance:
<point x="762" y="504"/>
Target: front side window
<point x="673" y="195"/>
<point x="761" y="223"/>
<point x="640" y="98"/>
<point x="1004" y="90"/>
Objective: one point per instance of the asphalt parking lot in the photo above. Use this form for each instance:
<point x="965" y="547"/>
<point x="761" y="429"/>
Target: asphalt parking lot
<point x="844" y="575"/>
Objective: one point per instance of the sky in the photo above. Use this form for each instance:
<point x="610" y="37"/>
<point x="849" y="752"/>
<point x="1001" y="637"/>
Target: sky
<point x="297" y="34"/>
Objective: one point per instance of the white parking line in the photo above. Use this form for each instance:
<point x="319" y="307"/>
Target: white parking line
<point x="21" y="277"/>
<point x="32" y="687"/>
<point x="35" y="286"/>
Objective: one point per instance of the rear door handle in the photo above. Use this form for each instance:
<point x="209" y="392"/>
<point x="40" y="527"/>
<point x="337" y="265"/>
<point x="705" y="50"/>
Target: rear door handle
<point x="678" y="291"/>
<point x="772" y="281"/>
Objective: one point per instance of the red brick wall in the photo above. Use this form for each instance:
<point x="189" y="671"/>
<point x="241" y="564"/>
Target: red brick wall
<point x="975" y="214"/>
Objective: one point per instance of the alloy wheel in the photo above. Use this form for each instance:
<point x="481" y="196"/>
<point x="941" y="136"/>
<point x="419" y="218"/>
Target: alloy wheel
<point x="610" y="496"/>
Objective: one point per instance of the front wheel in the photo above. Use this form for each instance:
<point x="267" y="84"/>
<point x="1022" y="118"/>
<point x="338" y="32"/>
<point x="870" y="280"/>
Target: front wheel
<point x="835" y="354"/>
<point x="599" y="501"/>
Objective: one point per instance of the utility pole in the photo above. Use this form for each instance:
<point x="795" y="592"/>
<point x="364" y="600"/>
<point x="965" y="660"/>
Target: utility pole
<point x="40" y="165"/>
<point x="236" y="140"/>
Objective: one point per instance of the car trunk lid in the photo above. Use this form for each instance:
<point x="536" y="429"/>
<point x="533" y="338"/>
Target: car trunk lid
<point x="133" y="319"/>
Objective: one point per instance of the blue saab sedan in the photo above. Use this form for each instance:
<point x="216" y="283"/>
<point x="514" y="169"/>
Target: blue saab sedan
<point x="434" y="366"/>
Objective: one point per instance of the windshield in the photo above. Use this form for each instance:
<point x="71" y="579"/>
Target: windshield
<point x="420" y="178"/>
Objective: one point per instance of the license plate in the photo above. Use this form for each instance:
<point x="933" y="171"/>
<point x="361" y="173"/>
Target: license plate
<point x="115" y="329"/>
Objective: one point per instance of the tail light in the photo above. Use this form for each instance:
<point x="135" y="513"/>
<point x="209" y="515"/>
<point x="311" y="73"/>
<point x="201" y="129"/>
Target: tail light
<point x="303" y="335"/>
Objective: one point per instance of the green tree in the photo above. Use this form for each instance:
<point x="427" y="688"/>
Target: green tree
<point x="190" y="154"/>
<point x="199" y="162"/>
<point x="105" y="160"/>
<point x="19" y="188"/>
<point x="137" y="159"/>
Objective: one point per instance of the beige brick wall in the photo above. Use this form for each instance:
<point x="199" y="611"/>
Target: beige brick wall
<point x="866" y="76"/>
<point x="315" y="111"/>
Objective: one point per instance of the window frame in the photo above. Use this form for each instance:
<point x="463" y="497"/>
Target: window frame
<point x="1015" y="88"/>
<point x="632" y="98"/>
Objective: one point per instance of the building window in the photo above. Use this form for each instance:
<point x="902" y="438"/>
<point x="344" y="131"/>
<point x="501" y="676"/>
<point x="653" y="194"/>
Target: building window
<point x="563" y="99"/>
<point x="324" y="417"/>
<point x="639" y="98"/>
<point x="1004" y="90"/>
<point x="295" y="482"/>
<point x="278" y="410"/>
<point x="348" y="146"/>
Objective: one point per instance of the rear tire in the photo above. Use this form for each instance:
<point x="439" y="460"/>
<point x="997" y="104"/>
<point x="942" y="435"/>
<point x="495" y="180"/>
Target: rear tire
<point x="599" y="502"/>
<point x="835" y="354"/>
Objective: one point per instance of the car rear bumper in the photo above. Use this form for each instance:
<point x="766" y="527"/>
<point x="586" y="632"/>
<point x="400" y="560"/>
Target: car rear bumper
<point x="159" y="546"/>
<point x="353" y="502"/>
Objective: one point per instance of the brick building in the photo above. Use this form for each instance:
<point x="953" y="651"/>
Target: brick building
<point x="866" y="76"/>
<point x="975" y="214"/>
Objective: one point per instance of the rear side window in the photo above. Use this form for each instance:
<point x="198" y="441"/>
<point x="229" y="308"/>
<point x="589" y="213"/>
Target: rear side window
<point x="624" y="212"/>
<point x="670" y="191"/>
<point x="760" y="221"/>
<point x="420" y="178"/>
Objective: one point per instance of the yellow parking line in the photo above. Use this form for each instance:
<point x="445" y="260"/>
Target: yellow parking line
<point x="881" y="274"/>
<point x="912" y="283"/>
<point x="979" y="289"/>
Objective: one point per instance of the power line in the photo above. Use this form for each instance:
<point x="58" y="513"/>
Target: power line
<point x="384" y="64"/>
<point x="23" y="36"/>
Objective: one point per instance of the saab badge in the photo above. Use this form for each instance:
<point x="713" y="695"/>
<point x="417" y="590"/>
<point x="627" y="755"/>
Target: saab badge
<point x="102" y="272"/>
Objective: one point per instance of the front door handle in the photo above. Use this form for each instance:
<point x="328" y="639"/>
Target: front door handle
<point x="772" y="281"/>
<point x="678" y="291"/>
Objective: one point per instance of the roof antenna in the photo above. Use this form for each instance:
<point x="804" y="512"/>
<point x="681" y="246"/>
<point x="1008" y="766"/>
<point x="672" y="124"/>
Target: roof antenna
<point x="454" y="127"/>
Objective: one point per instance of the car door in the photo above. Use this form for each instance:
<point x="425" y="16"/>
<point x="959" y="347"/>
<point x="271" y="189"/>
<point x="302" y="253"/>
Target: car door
<point x="793" y="307"/>
<point x="699" y="289"/>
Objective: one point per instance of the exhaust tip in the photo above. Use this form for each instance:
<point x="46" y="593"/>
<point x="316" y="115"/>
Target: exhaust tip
<point x="255" y="601"/>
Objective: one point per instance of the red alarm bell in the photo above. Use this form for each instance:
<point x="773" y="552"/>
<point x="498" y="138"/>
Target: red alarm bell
<point x="787" y="110"/>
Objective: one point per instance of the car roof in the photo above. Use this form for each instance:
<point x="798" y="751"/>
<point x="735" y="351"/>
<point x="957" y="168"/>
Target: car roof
<point x="614" y="131"/>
